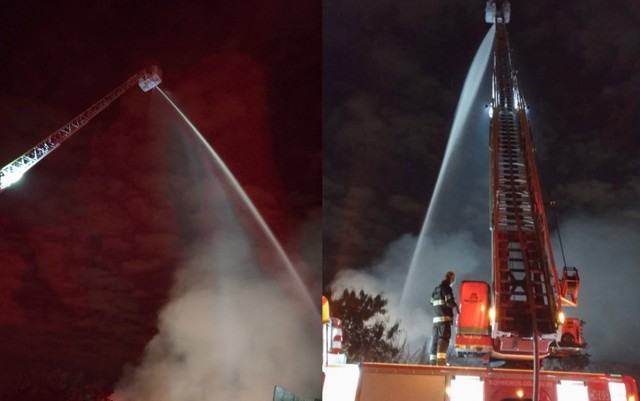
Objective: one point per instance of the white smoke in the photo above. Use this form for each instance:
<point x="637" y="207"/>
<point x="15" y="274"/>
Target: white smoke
<point x="455" y="233"/>
<point x="226" y="336"/>
<point x="605" y="251"/>
<point x="231" y="329"/>
<point x="457" y="252"/>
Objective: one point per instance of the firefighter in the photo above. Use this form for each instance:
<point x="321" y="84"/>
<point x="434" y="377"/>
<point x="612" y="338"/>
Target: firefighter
<point x="443" y="303"/>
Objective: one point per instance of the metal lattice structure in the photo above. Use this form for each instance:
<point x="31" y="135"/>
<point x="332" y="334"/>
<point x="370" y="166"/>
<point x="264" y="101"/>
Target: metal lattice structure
<point x="525" y="283"/>
<point x="16" y="169"/>
<point x="525" y="317"/>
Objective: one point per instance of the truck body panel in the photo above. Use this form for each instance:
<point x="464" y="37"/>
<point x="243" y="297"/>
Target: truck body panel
<point x="402" y="382"/>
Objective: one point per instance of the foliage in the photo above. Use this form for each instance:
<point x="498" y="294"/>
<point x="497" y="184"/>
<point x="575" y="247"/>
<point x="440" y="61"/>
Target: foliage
<point x="571" y="363"/>
<point x="367" y="335"/>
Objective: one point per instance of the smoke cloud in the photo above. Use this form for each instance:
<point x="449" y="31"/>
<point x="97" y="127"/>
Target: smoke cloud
<point x="455" y="234"/>
<point x="226" y="337"/>
<point x="234" y="327"/>
<point x="602" y="247"/>
<point x="605" y="251"/>
<point x="457" y="252"/>
<point x="229" y="332"/>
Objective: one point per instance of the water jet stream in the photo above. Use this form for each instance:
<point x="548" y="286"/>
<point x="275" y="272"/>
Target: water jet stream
<point x="467" y="97"/>
<point x="309" y="303"/>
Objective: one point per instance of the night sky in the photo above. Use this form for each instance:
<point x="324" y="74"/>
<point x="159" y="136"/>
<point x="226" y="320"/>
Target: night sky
<point x="101" y="237"/>
<point x="393" y="74"/>
<point x="97" y="237"/>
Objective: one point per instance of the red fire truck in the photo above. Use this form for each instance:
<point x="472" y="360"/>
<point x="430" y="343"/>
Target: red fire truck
<point x="395" y="382"/>
<point x="520" y="317"/>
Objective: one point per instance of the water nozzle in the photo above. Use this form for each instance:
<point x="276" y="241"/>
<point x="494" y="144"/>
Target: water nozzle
<point x="149" y="81"/>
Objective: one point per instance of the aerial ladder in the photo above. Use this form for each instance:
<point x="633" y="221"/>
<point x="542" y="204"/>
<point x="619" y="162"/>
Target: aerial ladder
<point x="525" y="320"/>
<point x="16" y="169"/>
<point x="527" y="295"/>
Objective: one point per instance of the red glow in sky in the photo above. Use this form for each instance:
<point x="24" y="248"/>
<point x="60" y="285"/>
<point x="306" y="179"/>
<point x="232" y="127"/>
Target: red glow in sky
<point x="92" y="235"/>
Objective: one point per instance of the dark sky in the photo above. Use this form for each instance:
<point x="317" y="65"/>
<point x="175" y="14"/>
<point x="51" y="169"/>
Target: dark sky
<point x="93" y="235"/>
<point x="393" y="74"/>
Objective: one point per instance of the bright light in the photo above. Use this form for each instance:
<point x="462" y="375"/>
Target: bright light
<point x="492" y="314"/>
<point x="618" y="391"/>
<point x="466" y="388"/>
<point x="10" y="178"/>
<point x="490" y="111"/>
<point x="571" y="390"/>
<point x="561" y="317"/>
<point x="631" y="398"/>
<point x="520" y="393"/>
<point x="341" y="383"/>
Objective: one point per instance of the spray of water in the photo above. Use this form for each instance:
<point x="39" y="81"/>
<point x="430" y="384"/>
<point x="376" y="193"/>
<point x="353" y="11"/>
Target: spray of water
<point x="228" y="331"/>
<point x="301" y="288"/>
<point x="467" y="97"/>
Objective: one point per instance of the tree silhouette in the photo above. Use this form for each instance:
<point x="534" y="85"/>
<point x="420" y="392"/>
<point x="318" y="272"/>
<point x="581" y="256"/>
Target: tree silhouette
<point x="367" y="335"/>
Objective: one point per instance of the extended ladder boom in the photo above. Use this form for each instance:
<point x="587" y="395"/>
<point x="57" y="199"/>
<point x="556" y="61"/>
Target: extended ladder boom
<point x="16" y="169"/>
<point x="525" y="321"/>
<point x="526" y="298"/>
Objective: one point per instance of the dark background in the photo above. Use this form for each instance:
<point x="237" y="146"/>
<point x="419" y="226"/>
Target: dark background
<point x="91" y="237"/>
<point x="393" y="73"/>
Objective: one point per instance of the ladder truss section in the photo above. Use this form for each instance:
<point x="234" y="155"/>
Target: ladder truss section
<point x="16" y="169"/>
<point x="523" y="269"/>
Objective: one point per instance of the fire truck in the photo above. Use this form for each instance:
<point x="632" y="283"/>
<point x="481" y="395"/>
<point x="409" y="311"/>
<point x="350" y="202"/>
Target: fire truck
<point x="370" y="381"/>
<point x="397" y="382"/>
<point x="520" y="317"/>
